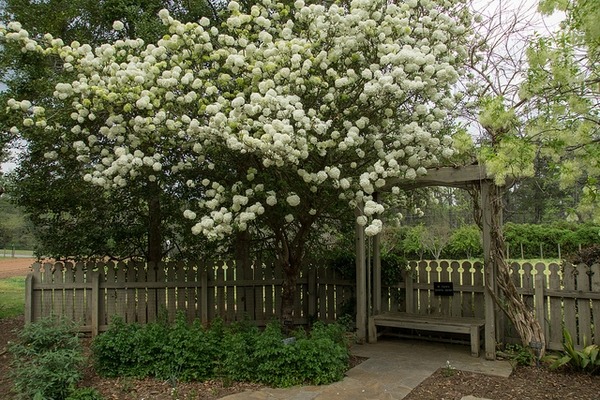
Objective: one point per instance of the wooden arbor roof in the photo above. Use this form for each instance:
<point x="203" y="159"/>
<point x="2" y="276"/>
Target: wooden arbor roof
<point x="368" y="297"/>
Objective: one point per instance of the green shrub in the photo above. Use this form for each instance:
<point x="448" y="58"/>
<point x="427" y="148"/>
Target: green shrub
<point x="85" y="394"/>
<point x="240" y="352"/>
<point x="47" y="361"/>
<point x="585" y="360"/>
<point x="272" y="359"/>
<point x="238" y="346"/>
<point x="520" y="355"/>
<point x="115" y="351"/>
<point x="191" y="353"/>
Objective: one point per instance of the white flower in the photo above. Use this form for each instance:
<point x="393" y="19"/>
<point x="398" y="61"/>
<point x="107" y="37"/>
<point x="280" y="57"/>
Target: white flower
<point x="189" y="214"/>
<point x="271" y="200"/>
<point x="293" y="200"/>
<point x="361" y="220"/>
<point x="374" y="228"/>
<point x="118" y="25"/>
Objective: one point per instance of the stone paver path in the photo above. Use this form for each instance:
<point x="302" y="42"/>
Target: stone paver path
<point x="393" y="369"/>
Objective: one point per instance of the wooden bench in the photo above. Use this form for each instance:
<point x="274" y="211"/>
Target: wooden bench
<point x="435" y="323"/>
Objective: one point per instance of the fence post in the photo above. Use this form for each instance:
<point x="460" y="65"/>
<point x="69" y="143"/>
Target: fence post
<point x="95" y="307"/>
<point x="29" y="299"/>
<point x="540" y="314"/>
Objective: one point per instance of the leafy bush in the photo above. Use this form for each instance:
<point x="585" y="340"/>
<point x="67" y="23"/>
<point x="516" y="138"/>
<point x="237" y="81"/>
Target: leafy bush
<point x="47" y="360"/>
<point x="239" y="362"/>
<point x="85" y="394"/>
<point x="585" y="360"/>
<point x="240" y="352"/>
<point x="520" y="355"/>
<point x="115" y="351"/>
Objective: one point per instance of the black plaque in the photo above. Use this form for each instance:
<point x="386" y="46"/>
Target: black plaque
<point x="443" y="288"/>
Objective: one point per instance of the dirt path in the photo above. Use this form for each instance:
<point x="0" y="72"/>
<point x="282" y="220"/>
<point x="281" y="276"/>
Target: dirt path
<point x="10" y="267"/>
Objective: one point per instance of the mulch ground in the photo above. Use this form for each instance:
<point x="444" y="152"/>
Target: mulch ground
<point x="525" y="383"/>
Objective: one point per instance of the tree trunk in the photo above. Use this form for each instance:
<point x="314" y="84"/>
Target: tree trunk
<point x="154" y="224"/>
<point x="290" y="256"/>
<point x="291" y="274"/>
<point x="509" y="301"/>
<point x="243" y="263"/>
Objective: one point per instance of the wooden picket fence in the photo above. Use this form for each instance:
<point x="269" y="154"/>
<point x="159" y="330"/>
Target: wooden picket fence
<point x="94" y="293"/>
<point x="562" y="296"/>
<point x="566" y="296"/>
<point x="418" y="279"/>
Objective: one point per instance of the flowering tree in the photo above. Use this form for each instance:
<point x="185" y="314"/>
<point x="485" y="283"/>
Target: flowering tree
<point x="78" y="219"/>
<point x="276" y="117"/>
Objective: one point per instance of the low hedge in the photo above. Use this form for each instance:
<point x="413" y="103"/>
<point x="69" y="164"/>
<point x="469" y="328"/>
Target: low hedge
<point x="238" y="352"/>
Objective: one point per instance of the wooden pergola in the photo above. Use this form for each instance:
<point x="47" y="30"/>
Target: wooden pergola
<point x="368" y="297"/>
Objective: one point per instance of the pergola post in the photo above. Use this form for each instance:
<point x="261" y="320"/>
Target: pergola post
<point x="490" y="272"/>
<point x="377" y="268"/>
<point x="361" y="279"/>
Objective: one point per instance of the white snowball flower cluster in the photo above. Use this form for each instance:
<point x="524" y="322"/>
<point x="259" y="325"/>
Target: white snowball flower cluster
<point x="374" y="228"/>
<point x="289" y="108"/>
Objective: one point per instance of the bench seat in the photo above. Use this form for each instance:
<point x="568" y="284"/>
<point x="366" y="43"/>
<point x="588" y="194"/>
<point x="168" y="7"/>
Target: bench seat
<point x="470" y="326"/>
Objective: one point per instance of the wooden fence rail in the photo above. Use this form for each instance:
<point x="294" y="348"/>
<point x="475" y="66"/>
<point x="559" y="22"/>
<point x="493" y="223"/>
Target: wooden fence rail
<point x="563" y="296"/>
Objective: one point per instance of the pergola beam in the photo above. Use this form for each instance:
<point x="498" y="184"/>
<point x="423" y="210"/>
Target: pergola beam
<point x="459" y="177"/>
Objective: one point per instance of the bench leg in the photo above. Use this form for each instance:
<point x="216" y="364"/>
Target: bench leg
<point x="475" y="344"/>
<point x="371" y="331"/>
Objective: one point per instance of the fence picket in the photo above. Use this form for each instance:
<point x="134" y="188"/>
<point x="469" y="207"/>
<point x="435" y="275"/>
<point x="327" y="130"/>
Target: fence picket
<point x="121" y="305"/>
<point x="107" y="276"/>
<point x="584" y="315"/>
<point x="527" y="279"/>
<point x="191" y="295"/>
<point x="141" y="294"/>
<point x="69" y="292"/>
<point x="467" y="297"/>
<point x="36" y="295"/>
<point x="79" y="316"/>
<point x="423" y="278"/>
<point x="478" y="298"/>
<point x="131" y="293"/>
<point x="47" y="294"/>
<point x="457" y="297"/>
<point x="555" y="337"/>
<point x="595" y="271"/>
<point x="570" y="310"/>
<point x="444" y="277"/>
<point x="58" y="295"/>
<point x="161" y="293"/>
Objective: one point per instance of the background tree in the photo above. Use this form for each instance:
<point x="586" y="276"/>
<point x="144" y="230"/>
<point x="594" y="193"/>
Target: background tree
<point x="465" y="242"/>
<point x="494" y="109"/>
<point x="563" y="91"/>
<point x="436" y="238"/>
<point x="551" y="119"/>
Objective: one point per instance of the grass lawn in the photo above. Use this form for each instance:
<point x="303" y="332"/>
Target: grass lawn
<point x="8" y="253"/>
<point x="12" y="296"/>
